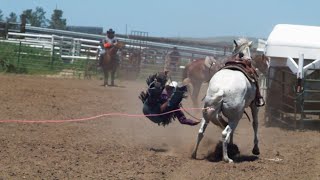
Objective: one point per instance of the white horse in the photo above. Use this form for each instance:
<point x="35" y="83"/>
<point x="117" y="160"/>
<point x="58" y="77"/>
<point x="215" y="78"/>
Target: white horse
<point x="229" y="93"/>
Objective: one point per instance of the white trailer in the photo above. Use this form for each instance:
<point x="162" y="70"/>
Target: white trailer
<point x="293" y="82"/>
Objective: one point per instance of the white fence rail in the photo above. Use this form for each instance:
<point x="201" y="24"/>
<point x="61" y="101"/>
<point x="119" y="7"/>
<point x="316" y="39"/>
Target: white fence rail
<point x="70" y="49"/>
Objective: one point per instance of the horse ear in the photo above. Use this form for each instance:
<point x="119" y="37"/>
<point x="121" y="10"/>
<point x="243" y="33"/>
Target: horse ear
<point x="235" y="42"/>
<point x="250" y="43"/>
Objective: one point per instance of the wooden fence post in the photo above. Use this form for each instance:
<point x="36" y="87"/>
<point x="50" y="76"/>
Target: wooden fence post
<point x="6" y="29"/>
<point x="23" y="23"/>
<point x="19" y="53"/>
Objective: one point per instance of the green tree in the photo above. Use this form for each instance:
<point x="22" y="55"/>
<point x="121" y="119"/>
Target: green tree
<point x="12" y="17"/>
<point x="40" y="17"/>
<point x="1" y="15"/>
<point x="57" y="22"/>
<point x="36" y="18"/>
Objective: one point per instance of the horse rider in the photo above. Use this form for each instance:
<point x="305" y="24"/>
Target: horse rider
<point x="174" y="59"/>
<point x="259" y="101"/>
<point x="160" y="99"/>
<point x="107" y="43"/>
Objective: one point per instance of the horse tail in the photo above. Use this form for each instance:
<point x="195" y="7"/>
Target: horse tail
<point x="213" y="108"/>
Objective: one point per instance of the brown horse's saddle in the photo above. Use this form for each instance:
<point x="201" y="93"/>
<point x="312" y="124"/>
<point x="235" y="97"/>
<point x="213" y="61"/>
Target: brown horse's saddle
<point x="244" y="66"/>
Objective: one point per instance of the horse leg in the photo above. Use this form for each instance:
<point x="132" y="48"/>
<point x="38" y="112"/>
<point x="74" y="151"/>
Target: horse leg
<point x="106" y="77"/>
<point x="254" y="111"/>
<point x="113" y="72"/>
<point x="195" y="92"/>
<point x="235" y="124"/>
<point x="202" y="129"/>
<point x="225" y="139"/>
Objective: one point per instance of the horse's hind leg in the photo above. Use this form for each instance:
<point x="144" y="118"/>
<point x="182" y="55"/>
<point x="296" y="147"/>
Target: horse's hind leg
<point x="113" y="72"/>
<point x="202" y="129"/>
<point x="195" y="92"/>
<point x="226" y="133"/>
<point x="106" y="77"/>
<point x="254" y="111"/>
<point x="227" y="137"/>
<point x="232" y="132"/>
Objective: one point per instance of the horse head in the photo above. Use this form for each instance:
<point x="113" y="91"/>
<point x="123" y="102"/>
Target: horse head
<point x="241" y="48"/>
<point x="113" y="51"/>
<point x="261" y="62"/>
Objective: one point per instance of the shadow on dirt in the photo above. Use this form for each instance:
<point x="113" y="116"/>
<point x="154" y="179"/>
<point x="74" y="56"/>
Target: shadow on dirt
<point x="233" y="153"/>
<point x="158" y="150"/>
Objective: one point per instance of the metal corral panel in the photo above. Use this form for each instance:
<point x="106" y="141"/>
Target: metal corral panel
<point x="290" y="40"/>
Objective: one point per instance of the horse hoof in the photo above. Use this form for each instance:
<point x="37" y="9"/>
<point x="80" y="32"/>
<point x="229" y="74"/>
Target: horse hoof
<point x="256" y="151"/>
<point x="228" y="160"/>
<point x="194" y="156"/>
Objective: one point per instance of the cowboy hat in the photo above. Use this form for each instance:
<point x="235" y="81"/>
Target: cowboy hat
<point x="110" y="31"/>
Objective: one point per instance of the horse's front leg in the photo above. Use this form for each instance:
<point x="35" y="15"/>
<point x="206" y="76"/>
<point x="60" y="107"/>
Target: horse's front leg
<point x="114" y="69"/>
<point x="113" y="72"/>
<point x="106" y="77"/>
<point x="202" y="129"/>
<point x="254" y="111"/>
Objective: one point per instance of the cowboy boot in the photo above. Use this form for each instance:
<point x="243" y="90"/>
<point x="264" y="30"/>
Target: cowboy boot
<point x="259" y="101"/>
<point x="183" y="120"/>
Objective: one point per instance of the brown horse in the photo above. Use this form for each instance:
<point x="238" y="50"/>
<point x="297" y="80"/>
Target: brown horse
<point x="261" y="62"/>
<point x="198" y="72"/>
<point x="110" y="62"/>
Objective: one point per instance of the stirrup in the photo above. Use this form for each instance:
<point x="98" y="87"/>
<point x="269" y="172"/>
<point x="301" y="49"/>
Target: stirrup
<point x="259" y="102"/>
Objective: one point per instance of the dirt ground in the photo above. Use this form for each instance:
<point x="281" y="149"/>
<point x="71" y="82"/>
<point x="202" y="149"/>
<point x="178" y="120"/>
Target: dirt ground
<point x="119" y="147"/>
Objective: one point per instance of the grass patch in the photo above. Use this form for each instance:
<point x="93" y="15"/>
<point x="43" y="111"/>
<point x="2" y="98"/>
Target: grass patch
<point x="20" y="58"/>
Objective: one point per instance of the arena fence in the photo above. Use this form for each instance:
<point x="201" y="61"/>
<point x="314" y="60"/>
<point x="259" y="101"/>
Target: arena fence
<point x="25" y="57"/>
<point x="77" y="57"/>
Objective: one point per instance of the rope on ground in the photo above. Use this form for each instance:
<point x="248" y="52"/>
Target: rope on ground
<point x="93" y="117"/>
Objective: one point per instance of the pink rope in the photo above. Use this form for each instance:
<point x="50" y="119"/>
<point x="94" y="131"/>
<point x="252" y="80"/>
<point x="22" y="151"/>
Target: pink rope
<point x="93" y="117"/>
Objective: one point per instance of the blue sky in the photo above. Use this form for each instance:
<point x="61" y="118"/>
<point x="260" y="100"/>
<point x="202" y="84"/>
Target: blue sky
<point x="180" y="18"/>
